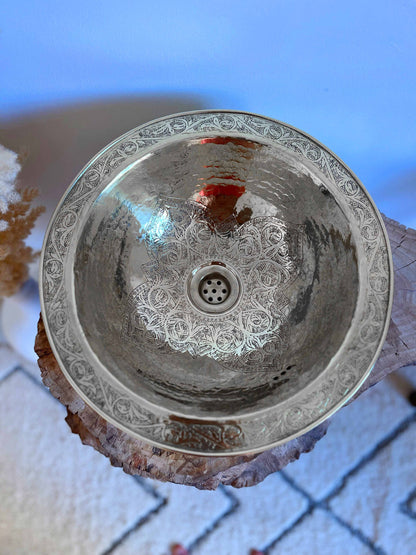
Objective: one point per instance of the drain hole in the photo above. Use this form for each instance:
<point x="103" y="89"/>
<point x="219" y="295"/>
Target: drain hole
<point x="208" y="289"/>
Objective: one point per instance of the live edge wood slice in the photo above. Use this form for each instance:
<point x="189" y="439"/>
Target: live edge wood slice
<point x="137" y="457"/>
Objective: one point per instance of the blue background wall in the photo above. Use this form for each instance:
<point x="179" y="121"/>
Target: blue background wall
<point x="344" y="72"/>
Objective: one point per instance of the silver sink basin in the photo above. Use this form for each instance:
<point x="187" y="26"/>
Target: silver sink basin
<point x="216" y="283"/>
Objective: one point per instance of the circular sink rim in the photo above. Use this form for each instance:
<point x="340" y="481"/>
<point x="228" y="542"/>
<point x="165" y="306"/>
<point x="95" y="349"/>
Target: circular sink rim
<point x="150" y="423"/>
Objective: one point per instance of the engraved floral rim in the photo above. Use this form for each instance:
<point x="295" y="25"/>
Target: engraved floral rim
<point x="255" y="432"/>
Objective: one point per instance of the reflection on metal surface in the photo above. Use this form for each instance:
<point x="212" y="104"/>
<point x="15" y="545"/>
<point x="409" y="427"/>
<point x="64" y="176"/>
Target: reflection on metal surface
<point x="264" y="213"/>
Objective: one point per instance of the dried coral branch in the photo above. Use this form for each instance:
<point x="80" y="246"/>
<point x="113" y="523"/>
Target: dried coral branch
<point x="17" y="219"/>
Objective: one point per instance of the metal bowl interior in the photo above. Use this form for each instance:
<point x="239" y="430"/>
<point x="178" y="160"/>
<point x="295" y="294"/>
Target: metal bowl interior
<point x="216" y="287"/>
<point x="224" y="204"/>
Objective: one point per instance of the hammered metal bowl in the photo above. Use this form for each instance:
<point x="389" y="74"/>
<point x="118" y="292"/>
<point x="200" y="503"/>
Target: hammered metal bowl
<point x="216" y="283"/>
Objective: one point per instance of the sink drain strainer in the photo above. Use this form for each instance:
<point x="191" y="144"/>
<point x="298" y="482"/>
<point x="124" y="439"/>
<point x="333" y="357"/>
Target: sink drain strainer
<point x="214" y="288"/>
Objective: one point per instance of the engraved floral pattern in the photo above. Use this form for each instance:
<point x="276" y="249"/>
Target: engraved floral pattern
<point x="265" y="253"/>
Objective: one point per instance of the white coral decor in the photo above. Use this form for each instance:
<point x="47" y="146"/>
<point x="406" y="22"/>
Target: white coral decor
<point x="9" y="168"/>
